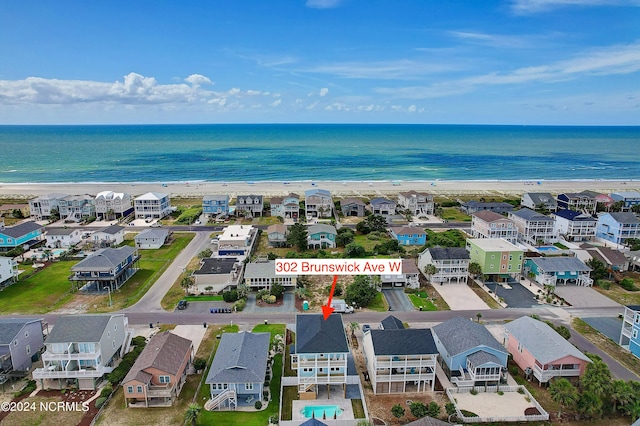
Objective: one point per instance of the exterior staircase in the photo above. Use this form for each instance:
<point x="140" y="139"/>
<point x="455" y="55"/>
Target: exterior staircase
<point x="305" y="387"/>
<point x="214" y="403"/>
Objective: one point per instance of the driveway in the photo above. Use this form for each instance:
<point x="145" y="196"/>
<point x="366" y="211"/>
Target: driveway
<point x="584" y="297"/>
<point x="515" y="297"/>
<point x="288" y="305"/>
<point x="460" y="297"/>
<point x="608" y="326"/>
<point x="397" y="300"/>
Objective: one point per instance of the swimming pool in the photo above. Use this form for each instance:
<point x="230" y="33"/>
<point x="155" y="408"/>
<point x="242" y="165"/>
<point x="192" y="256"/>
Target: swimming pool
<point x="321" y="411"/>
<point x="548" y="248"/>
<point x="57" y="252"/>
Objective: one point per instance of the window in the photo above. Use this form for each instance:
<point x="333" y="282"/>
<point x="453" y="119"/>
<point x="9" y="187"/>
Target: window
<point x="504" y="257"/>
<point x="248" y="386"/>
<point x="635" y="334"/>
<point x="26" y="334"/>
<point x="15" y="343"/>
<point x="115" y="326"/>
<point x="139" y="389"/>
<point x="108" y="334"/>
<point x="637" y="319"/>
<point x="28" y="349"/>
<point x="510" y="257"/>
<point x="165" y="379"/>
<point x="113" y="343"/>
<point x="129" y="389"/>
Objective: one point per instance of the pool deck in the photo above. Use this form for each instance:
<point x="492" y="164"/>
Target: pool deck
<point x="335" y="399"/>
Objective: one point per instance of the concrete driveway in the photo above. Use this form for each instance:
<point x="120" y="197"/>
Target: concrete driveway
<point x="517" y="296"/>
<point x="584" y="297"/>
<point x="460" y="297"/>
<point x="195" y="334"/>
<point x="397" y="300"/>
<point x="288" y="305"/>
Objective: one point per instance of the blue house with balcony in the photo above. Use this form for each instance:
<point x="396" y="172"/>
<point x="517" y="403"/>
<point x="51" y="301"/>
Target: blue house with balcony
<point x="630" y="334"/>
<point x="629" y="199"/>
<point x="214" y="205"/>
<point x="558" y="270"/>
<point x="321" y="236"/>
<point x="409" y="236"/>
<point x="469" y="352"/>
<point x="14" y="236"/>
<point x="618" y="227"/>
<point x="106" y="269"/>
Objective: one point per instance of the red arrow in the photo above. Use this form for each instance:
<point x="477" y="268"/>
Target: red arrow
<point x="327" y="309"/>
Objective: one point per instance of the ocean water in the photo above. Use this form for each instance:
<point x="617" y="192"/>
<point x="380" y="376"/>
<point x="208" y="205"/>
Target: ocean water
<point x="298" y="152"/>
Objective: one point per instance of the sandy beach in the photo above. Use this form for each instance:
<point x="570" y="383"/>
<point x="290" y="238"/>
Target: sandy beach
<point x="337" y="188"/>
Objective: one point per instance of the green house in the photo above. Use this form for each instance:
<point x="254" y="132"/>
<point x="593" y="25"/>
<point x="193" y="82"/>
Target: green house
<point x="496" y="256"/>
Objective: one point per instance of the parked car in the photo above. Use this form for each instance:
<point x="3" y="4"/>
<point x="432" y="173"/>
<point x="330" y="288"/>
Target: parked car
<point x="182" y="304"/>
<point x="156" y="225"/>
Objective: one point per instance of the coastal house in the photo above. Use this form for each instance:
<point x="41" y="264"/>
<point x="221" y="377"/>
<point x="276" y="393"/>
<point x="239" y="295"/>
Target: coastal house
<point x="409" y="235"/>
<point x="25" y="233"/>
<point x="8" y="271"/>
<point x="630" y="333"/>
<point x="159" y="373"/>
<point x="471" y="207"/>
<point x="614" y="259"/>
<point x="419" y="204"/>
<point x="629" y="199"/>
<point x="452" y="264"/>
<point x="237" y="241"/>
<point x="634" y="259"/>
<point x="558" y="270"/>
<point x="152" y="205"/>
<point x="488" y="224"/>
<point x="262" y="275"/>
<point x="239" y="370"/>
<point x="286" y="207"/>
<point x="352" y="207"/>
<point x="62" y="237"/>
<point x="319" y="355"/>
<point x="583" y="202"/>
<point x="533" y="228"/>
<point x="574" y="226"/>
<point x="400" y="360"/>
<point x="21" y="340"/>
<point x="382" y="206"/>
<point x="45" y="206"/>
<point x="318" y="203"/>
<point x="540" y="350"/>
<point x="497" y="257"/>
<point x="410" y="276"/>
<point x="218" y="274"/>
<point x="111" y="205"/>
<point x="603" y="201"/>
<point x="8" y="210"/>
<point x="106" y="269"/>
<point x="152" y="238"/>
<point x="321" y="236"/>
<point x="539" y="201"/>
<point x="277" y="235"/>
<point x="81" y="349"/>
<point x="110" y="236"/>
<point x="469" y="354"/>
<point x="74" y="208"/>
<point x="215" y="205"/>
<point x="618" y="227"/>
<point x="249" y="205"/>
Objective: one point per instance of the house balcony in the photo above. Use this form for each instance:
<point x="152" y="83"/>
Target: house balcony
<point x="629" y="316"/>
<point x="5" y="363"/>
<point x="320" y="363"/>
<point x="160" y="391"/>
<point x="335" y="378"/>
<point x="58" y="373"/>
<point x="70" y="355"/>
<point x="545" y="375"/>
<point x="406" y="363"/>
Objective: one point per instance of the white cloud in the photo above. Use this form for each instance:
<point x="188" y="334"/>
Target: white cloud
<point x="385" y="70"/>
<point x="324" y="91"/>
<point x="501" y="40"/>
<point x="234" y="91"/>
<point x="323" y="4"/>
<point x="412" y="108"/>
<point x="525" y="7"/>
<point x="198" y="80"/>
<point x="337" y="106"/>
<point x="276" y="103"/>
<point x="253" y="92"/>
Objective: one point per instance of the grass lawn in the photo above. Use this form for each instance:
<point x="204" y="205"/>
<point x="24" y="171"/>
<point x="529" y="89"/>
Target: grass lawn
<point x="367" y="243"/>
<point x="289" y="394"/>
<point x="561" y="246"/>
<point x="270" y="328"/>
<point x="42" y="292"/>
<point x="620" y="295"/>
<point x="486" y="298"/>
<point x="152" y="264"/>
<point x="264" y="248"/>
<point x="204" y="298"/>
<point x="266" y="220"/>
<point x="421" y="299"/>
<point x="454" y="215"/>
<point x="379" y="304"/>
<point x="358" y="408"/>
<point x="176" y="293"/>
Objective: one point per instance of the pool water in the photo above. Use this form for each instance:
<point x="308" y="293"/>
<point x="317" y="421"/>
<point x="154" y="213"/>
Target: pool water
<point x="547" y="248"/>
<point x="321" y="411"/>
<point x="57" y="252"/>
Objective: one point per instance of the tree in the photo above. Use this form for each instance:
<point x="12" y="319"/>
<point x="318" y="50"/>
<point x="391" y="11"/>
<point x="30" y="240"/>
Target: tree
<point x="344" y="237"/>
<point x="192" y="414"/>
<point x="563" y="393"/>
<point x="199" y="364"/>
<point x="633" y="243"/>
<point x="475" y="269"/>
<point x="478" y="316"/>
<point x="205" y="253"/>
<point x="598" y="269"/>
<point x="622" y="395"/>
<point x="353" y="327"/>
<point x="597" y="379"/>
<point x="353" y="250"/>
<point x="397" y="411"/>
<point x="589" y="405"/>
<point x="17" y="213"/>
<point x="433" y="409"/>
<point x="361" y="291"/>
<point x="418" y="409"/>
<point x="430" y="270"/>
<point x="277" y="290"/>
<point x="186" y="282"/>
<point x="450" y="408"/>
<point x="298" y="237"/>
<point x="372" y="223"/>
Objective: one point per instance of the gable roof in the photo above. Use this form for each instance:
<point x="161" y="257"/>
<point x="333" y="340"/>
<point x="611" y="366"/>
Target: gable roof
<point x="113" y="229"/>
<point x="410" y="341"/>
<point x="356" y="201"/>
<point x="153" y="233"/>
<point x="240" y="358"/>
<point x="382" y="201"/>
<point x="543" y="342"/>
<point x="528" y="214"/>
<point x="392" y="323"/>
<point x="79" y="328"/>
<point x="110" y="195"/>
<point x="10" y="327"/>
<point x="277" y="228"/>
<point x="276" y="200"/>
<point x="409" y="266"/>
<point x="317" y="191"/>
<point x="105" y="259"/>
<point x="489" y="216"/>
<point x="560" y="264"/>
<point x="215" y="198"/>
<point x="315" y="335"/>
<point x="541" y="198"/>
<point x="481" y="357"/>
<point x="62" y="231"/>
<point x="609" y="255"/>
<point x="20" y="230"/>
<point x="448" y="253"/>
<point x="152" y="196"/>
<point x="574" y="215"/>
<point x="321" y="227"/>
<point x="165" y="351"/>
<point x="459" y="335"/>
<point x="408" y="230"/>
<point x="624" y="217"/>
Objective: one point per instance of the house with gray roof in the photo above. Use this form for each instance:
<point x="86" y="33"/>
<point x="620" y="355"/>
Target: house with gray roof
<point x="400" y="360"/>
<point x="80" y="349"/>
<point x="319" y="355"/>
<point x="473" y="206"/>
<point x="391" y="323"/>
<point x="152" y="238"/>
<point x="218" y="274"/>
<point x="419" y="204"/>
<point x="238" y="371"/>
<point x="74" y="208"/>
<point x="62" y="237"/>
<point x="44" y="206"/>
<point x="262" y="275"/>
<point x="575" y="226"/>
<point x="539" y="350"/>
<point x="532" y="227"/>
<point x="159" y="373"/>
<point x="152" y="205"/>
<point x="251" y="205"/>
<point x="215" y="205"/>
<point x="286" y="207"/>
<point x="489" y="224"/>
<point x="352" y="207"/>
<point x="107" y="268"/>
<point x="108" y="237"/>
<point x="539" y="201"/>
<point x="277" y="235"/>
<point x="410" y="276"/>
<point x="318" y="203"/>
<point x="470" y="355"/>
<point x="382" y="206"/>
<point x="28" y="233"/>
<point x="321" y="236"/>
<point x="629" y="199"/>
<point x="20" y="340"/>
<point x="451" y="263"/>
<point x="558" y="270"/>
<point x="618" y="227"/>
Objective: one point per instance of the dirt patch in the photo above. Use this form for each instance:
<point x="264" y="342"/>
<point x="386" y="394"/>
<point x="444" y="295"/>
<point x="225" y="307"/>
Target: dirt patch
<point x="316" y="288"/>
<point x="80" y="304"/>
<point x="72" y="414"/>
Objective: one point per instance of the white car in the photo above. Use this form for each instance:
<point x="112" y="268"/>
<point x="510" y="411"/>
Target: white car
<point x="156" y="225"/>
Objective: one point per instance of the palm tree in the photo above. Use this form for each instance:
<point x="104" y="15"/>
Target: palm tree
<point x="430" y="270"/>
<point x="597" y="379"/>
<point x="478" y="315"/>
<point x="186" y="282"/>
<point x="622" y="394"/>
<point x="564" y="393"/>
<point x="475" y="269"/>
<point x="353" y="327"/>
<point x="192" y="413"/>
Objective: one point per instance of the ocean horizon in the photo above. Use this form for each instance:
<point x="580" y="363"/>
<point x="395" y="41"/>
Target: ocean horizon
<point x="315" y="152"/>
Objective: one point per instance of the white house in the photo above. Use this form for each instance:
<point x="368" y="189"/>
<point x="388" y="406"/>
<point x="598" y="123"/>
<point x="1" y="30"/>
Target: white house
<point x="452" y="264"/>
<point x="262" y="275"/>
<point x="218" y="274"/>
<point x="152" y="238"/>
<point x="110" y="205"/>
<point x="236" y="240"/>
<point x="63" y="237"/>
<point x="488" y="224"/>
<point x="418" y="203"/>
<point x="8" y="271"/>
<point x="575" y="226"/>
<point x="111" y="235"/>
<point x="533" y="227"/>
<point x="152" y="205"/>
<point x="41" y="207"/>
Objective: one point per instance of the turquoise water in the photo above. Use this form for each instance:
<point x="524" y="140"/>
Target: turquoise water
<point x="547" y="248"/>
<point x="321" y="411"/>
<point x="296" y="152"/>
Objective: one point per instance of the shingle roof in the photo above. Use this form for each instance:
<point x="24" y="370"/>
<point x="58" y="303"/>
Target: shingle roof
<point x="153" y="233"/>
<point x="459" y="335"/>
<point x="560" y="264"/>
<point x="409" y="266"/>
<point x="216" y="265"/>
<point x="573" y="215"/>
<point x="240" y="358"/>
<point x="165" y="351"/>
<point x="355" y="201"/>
<point x="481" y="357"/>
<point x="262" y="270"/>
<point x="392" y="323"/>
<point x="635" y="308"/>
<point x="152" y="196"/>
<point x="276" y="200"/>
<point x="277" y="228"/>
<point x="448" y="253"/>
<point x="104" y="259"/>
<point x="315" y="335"/>
<point x="79" y="328"/>
<point x="215" y="198"/>
<point x="113" y="229"/>
<point x="408" y="230"/>
<point x="489" y="216"/>
<point x="627" y="194"/>
<point x="321" y="227"/>
<point x="541" y="198"/>
<point x="61" y="231"/>
<point x="612" y="256"/>
<point x="10" y="327"/>
<point x="625" y="217"/>
<point x="381" y="201"/>
<point x="544" y="343"/>
<point x="321" y="192"/>
<point x="313" y="422"/>
<point x="410" y="341"/>
<point x="529" y="214"/>
<point x="18" y="231"/>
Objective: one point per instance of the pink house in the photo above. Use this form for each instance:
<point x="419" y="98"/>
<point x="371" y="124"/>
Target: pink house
<point x="539" y="350"/>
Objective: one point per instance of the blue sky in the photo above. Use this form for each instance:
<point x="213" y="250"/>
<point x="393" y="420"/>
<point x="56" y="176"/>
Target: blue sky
<point x="335" y="61"/>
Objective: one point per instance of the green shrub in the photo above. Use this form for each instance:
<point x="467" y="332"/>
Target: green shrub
<point x="239" y="305"/>
<point x="258" y="405"/>
<point x="274" y="419"/>
<point x="628" y="284"/>
<point x="106" y="391"/>
<point x="521" y="391"/>
<point x="604" y="284"/>
<point x="27" y="389"/>
<point x="138" y="341"/>
<point x="230" y="296"/>
<point x="450" y="408"/>
<point x="500" y="393"/>
<point x="473" y="392"/>
<point x="199" y="363"/>
<point x="100" y="401"/>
